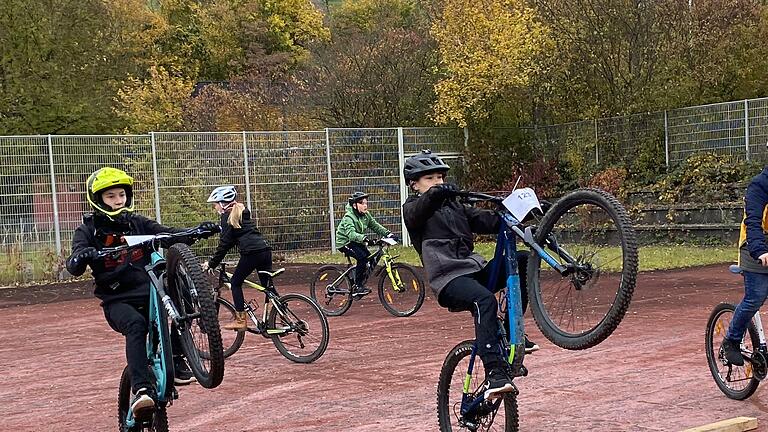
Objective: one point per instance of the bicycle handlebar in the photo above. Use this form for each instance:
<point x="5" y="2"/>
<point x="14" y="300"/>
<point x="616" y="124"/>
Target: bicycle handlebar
<point x="471" y="197"/>
<point x="194" y="233"/>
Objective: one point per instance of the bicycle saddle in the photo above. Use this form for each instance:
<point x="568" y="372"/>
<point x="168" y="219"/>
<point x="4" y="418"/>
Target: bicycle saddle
<point x="273" y="274"/>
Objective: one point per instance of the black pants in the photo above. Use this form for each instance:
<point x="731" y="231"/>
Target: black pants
<point x="469" y="292"/>
<point x="361" y="253"/>
<point x="131" y="319"/>
<point x="260" y="261"/>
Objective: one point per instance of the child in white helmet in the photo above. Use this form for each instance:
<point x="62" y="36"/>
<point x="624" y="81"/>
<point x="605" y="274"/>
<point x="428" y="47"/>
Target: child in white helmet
<point x="238" y="229"/>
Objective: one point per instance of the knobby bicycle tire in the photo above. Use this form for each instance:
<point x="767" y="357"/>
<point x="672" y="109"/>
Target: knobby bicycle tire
<point x="624" y="290"/>
<point x="159" y="418"/>
<point x="448" y="406"/>
<point x="194" y="296"/>
<point x="712" y="348"/>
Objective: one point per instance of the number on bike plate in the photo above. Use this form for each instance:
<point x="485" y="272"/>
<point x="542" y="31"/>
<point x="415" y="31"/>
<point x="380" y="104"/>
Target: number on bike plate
<point x="520" y="202"/>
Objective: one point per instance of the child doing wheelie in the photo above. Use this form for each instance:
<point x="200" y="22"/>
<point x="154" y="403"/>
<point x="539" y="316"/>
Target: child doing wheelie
<point x="122" y="284"/>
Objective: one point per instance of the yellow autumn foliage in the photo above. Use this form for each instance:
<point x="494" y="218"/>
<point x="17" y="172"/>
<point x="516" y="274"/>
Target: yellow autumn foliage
<point x="487" y="48"/>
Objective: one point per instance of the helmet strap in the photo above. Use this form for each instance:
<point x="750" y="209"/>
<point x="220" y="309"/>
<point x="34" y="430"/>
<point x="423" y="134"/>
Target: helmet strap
<point x="226" y="206"/>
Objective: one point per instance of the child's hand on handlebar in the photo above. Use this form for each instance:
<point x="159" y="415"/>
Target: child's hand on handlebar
<point x="211" y="228"/>
<point x="86" y="255"/>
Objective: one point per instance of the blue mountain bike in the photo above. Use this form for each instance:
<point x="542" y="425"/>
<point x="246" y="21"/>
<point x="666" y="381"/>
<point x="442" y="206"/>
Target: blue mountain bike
<point x="578" y="299"/>
<point x="179" y="294"/>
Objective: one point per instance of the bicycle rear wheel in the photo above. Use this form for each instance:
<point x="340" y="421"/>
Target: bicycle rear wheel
<point x="199" y="330"/>
<point x="405" y="298"/>
<point x="736" y="382"/>
<point x="299" y="329"/>
<point x="333" y="299"/>
<point x="582" y="308"/>
<point x="159" y="421"/>
<point x="495" y="415"/>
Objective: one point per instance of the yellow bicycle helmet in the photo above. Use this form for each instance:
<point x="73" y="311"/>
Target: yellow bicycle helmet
<point x="108" y="178"/>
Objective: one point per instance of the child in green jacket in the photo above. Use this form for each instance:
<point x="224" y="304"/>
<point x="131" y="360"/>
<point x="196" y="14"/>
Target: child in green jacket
<point x="351" y="239"/>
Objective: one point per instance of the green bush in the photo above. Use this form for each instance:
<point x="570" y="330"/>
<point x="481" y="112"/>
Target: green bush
<point x="705" y="177"/>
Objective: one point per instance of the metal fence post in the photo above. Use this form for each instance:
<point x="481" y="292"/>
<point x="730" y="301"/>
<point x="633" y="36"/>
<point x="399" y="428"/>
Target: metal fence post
<point x="330" y="190"/>
<point x="55" y="201"/>
<point x="155" y="177"/>
<point x="597" y="150"/>
<point x="746" y="126"/>
<point x="247" y="180"/>
<point x="666" y="139"/>
<point x="403" y="186"/>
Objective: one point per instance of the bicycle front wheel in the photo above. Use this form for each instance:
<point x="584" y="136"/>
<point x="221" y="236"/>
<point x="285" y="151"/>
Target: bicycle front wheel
<point x="589" y="232"/>
<point x="298" y="328"/>
<point x="736" y="382"/>
<point x="331" y="290"/>
<point x="405" y="296"/>
<point x="231" y="340"/>
<point x="494" y="415"/>
<point x="199" y="330"/>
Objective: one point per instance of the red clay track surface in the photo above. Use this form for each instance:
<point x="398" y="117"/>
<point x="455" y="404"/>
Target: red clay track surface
<point x="60" y="366"/>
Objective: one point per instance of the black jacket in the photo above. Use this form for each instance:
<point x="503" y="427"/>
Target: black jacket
<point x="441" y="231"/>
<point x="124" y="278"/>
<point x="247" y="238"/>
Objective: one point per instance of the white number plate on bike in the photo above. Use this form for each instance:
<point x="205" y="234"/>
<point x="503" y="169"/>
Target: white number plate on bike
<point x="520" y="202"/>
<point x="389" y="241"/>
<point x="136" y="239"/>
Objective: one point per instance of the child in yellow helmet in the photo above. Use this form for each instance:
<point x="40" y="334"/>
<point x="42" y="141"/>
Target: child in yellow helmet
<point x="122" y="284"/>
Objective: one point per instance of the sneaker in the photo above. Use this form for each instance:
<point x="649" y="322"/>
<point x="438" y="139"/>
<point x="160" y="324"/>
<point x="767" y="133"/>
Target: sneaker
<point x="498" y="382"/>
<point x="142" y="404"/>
<point x="732" y="351"/>
<point x="358" y="290"/>
<point x="530" y="346"/>
<point x="182" y="374"/>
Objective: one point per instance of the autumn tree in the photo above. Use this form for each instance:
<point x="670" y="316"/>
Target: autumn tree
<point x="378" y="69"/>
<point x="487" y="52"/>
<point x="57" y="73"/>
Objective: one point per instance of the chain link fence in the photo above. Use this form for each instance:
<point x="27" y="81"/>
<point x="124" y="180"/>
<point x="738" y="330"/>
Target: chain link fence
<point x="737" y="129"/>
<point x="295" y="182"/>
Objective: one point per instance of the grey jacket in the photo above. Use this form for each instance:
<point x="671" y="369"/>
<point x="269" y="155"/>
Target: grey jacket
<point x="441" y="230"/>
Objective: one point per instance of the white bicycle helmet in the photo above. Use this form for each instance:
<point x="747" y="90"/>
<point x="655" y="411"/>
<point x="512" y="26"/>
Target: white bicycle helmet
<point x="223" y="194"/>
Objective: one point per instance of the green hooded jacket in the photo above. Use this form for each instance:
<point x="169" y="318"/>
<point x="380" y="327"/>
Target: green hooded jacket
<point x="353" y="226"/>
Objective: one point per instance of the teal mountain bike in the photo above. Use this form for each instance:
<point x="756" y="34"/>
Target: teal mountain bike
<point x="179" y="293"/>
<point x="581" y="277"/>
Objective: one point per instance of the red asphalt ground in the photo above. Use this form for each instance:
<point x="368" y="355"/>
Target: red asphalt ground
<point x="60" y="366"/>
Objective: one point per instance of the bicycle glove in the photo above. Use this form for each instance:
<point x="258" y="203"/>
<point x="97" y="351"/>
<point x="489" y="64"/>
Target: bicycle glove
<point x="87" y="255"/>
<point x="394" y="237"/>
<point x="209" y="229"/>
<point x="76" y="264"/>
<point x="447" y="190"/>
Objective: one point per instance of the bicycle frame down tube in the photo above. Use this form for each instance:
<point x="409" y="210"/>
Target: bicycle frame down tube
<point x="156" y="316"/>
<point x="514" y="301"/>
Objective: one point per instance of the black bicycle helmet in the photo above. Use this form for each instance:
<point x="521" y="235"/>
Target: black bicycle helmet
<point x="356" y="197"/>
<point x="421" y="164"/>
